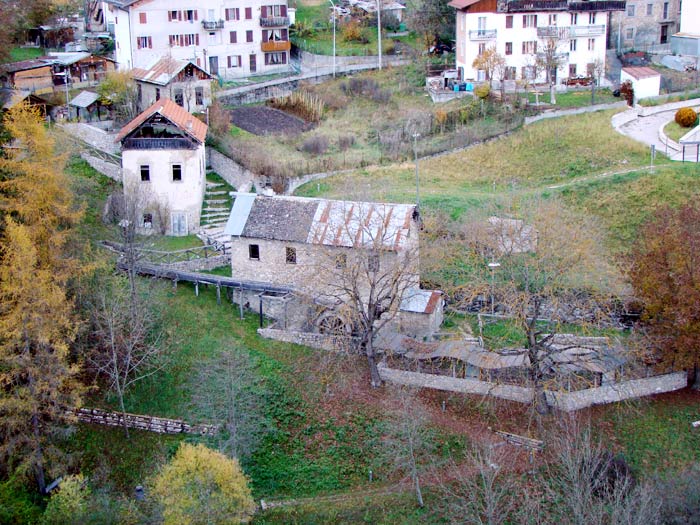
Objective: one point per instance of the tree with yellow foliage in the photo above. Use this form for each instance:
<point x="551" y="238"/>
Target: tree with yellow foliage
<point x="37" y="380"/>
<point x="203" y="486"/>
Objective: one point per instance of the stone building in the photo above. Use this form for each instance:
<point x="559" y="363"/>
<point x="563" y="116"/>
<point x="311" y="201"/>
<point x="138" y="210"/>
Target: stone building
<point x="185" y="83"/>
<point x="322" y="248"/>
<point x="163" y="167"/>
<point x="645" y="25"/>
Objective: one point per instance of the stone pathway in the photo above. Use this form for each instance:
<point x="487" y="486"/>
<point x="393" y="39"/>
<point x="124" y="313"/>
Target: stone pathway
<point x="215" y="213"/>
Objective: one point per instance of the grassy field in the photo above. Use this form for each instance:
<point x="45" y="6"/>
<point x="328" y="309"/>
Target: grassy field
<point x="575" y="99"/>
<point x="675" y="131"/>
<point x="25" y="53"/>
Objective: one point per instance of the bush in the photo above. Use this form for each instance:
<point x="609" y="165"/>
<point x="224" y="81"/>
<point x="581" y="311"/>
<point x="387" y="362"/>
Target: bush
<point x="366" y="87"/>
<point x="346" y="142"/>
<point x="686" y="117"/>
<point x="302" y="103"/>
<point x="482" y="91"/>
<point x="353" y="32"/>
<point x="316" y="145"/>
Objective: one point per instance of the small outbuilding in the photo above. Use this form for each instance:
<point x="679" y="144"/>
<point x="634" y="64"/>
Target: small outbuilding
<point x="85" y="107"/>
<point x="646" y="81"/>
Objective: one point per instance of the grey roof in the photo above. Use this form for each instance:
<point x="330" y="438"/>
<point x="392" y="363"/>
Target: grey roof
<point x="84" y="99"/>
<point x="281" y="219"/>
<point x="242" y="204"/>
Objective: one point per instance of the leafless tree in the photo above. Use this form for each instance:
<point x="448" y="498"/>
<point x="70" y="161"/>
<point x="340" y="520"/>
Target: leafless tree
<point x="598" y="72"/>
<point x="550" y="57"/>
<point x="227" y="391"/>
<point x="366" y="283"/>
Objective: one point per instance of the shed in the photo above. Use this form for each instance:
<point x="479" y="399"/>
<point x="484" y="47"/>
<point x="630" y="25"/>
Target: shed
<point x="85" y="106"/>
<point x="646" y="81"/>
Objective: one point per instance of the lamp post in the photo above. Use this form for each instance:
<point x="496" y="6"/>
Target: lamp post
<point x="492" y="267"/>
<point x="415" y="156"/>
<point x="379" y="32"/>
<point x="333" y="15"/>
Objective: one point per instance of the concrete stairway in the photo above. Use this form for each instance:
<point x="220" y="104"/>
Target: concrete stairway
<point x="215" y="212"/>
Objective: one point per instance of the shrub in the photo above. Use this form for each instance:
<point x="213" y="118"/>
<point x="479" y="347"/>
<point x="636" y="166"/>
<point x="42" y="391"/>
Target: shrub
<point x="346" y="142"/>
<point x="301" y="103"/>
<point x="686" y="117"/>
<point x="482" y="91"/>
<point x="316" y="144"/>
<point x="352" y="32"/>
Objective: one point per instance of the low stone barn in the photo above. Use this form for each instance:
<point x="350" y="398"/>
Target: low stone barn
<point x="316" y="246"/>
<point x="163" y="168"/>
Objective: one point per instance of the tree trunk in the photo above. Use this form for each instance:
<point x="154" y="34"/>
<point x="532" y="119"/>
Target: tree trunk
<point x="695" y="385"/>
<point x="39" y="465"/>
<point x="419" y="494"/>
<point x="375" y="379"/>
<point x="552" y="97"/>
<point x="593" y="93"/>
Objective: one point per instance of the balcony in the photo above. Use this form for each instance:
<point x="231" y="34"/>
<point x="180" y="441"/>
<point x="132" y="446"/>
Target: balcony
<point x="599" y="5"/>
<point x="171" y="143"/>
<point x="274" y="47"/>
<point x="482" y="34"/>
<point x="274" y="21"/>
<point x="510" y="6"/>
<point x="561" y="58"/>
<point x="209" y="25"/>
<point x="567" y="32"/>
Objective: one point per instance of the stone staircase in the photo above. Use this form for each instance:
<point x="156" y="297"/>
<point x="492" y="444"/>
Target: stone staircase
<point x="215" y="212"/>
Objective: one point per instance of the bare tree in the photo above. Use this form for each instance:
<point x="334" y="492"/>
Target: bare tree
<point x="598" y="71"/>
<point x="366" y="282"/>
<point x="492" y="63"/>
<point x="129" y="345"/>
<point x="406" y="443"/>
<point x="549" y="58"/>
<point x="227" y="391"/>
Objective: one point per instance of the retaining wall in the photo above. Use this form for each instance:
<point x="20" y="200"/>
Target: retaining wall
<point x="645" y="111"/>
<point x="566" y="401"/>
<point x="94" y="136"/>
<point x="313" y="340"/>
<point x="107" y="169"/>
<point x="575" y="111"/>
<point x="229" y="170"/>
<point x="202" y="263"/>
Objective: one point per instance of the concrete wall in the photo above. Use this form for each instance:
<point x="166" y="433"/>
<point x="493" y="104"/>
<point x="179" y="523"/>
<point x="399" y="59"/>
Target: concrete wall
<point x="566" y="401"/>
<point x="232" y="172"/>
<point x="312" y="340"/>
<point x="570" y="401"/>
<point x="185" y="196"/>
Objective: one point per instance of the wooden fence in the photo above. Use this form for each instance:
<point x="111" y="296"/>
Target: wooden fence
<point x="159" y="425"/>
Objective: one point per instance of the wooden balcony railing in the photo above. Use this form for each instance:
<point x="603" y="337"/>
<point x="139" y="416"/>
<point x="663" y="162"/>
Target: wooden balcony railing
<point x="482" y="34"/>
<point x="171" y="143"/>
<point x="274" y="21"/>
<point x="272" y="46"/>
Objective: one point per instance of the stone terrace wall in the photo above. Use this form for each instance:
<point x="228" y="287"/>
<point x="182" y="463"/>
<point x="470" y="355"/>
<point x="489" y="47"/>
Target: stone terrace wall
<point x="313" y="340"/>
<point x="566" y="401"/>
<point x="229" y="170"/>
<point x="570" y="401"/>
<point x="202" y="263"/>
<point x="453" y="384"/>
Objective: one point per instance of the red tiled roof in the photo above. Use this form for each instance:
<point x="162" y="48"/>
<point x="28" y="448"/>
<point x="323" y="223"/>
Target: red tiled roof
<point x="461" y="4"/>
<point x="174" y="113"/>
<point x="641" y="72"/>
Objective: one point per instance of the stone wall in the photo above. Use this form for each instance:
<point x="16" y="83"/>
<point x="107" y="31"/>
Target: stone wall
<point x="200" y="264"/>
<point x="108" y="169"/>
<point x="566" y="401"/>
<point x="94" y="136"/>
<point x="453" y="384"/>
<point x="229" y="170"/>
<point x="570" y="401"/>
<point x="312" y="340"/>
<point x="576" y="111"/>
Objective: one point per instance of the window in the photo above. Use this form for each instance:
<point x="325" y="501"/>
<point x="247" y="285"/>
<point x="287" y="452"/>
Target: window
<point x="510" y="73"/>
<point x="630" y="33"/>
<point x="248" y="13"/>
<point x="179" y="99"/>
<point x="147" y="220"/>
<point x="274" y="10"/>
<point x="254" y="252"/>
<point x="482" y="48"/>
<point x="275" y="58"/>
<point x="574" y="19"/>
<point x="145" y="173"/>
<point x="232" y="13"/>
<point x="144" y="42"/>
<point x="590" y="69"/>
<point x="650" y="9"/>
<point x="341" y="261"/>
<point x="274" y="35"/>
<point x="528" y="72"/>
<point x="157" y="93"/>
<point x="249" y="36"/>
<point x="174" y="16"/>
<point x="509" y="22"/>
<point x="191" y="15"/>
<point x="177" y="172"/>
<point x="572" y="45"/>
<point x="234" y="61"/>
<point x="373" y="262"/>
<point x="529" y="20"/>
<point x="530" y="47"/>
<point x="591" y="18"/>
<point x="591" y="44"/>
<point x="665" y="10"/>
<point x="630" y="9"/>
<point x="199" y="96"/>
<point x="291" y="255"/>
<point x="184" y="40"/>
<point x="509" y="48"/>
<point x="552" y="20"/>
<point x="142" y="18"/>
<point x="572" y="70"/>
<point x="232" y="37"/>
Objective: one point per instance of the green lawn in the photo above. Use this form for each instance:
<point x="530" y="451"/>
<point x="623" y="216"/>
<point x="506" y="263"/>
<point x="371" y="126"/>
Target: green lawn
<point x="25" y="53"/>
<point x="675" y="131"/>
<point x="575" y="99"/>
<point x="321" y="43"/>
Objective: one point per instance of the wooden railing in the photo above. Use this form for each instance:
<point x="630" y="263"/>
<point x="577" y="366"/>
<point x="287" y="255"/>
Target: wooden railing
<point x="159" y="425"/>
<point x="273" y="46"/>
<point x="171" y="143"/>
<point x="178" y="256"/>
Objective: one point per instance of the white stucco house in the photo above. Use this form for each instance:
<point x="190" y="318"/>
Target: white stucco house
<point x="520" y="30"/>
<point x="185" y="83"/>
<point x="227" y="39"/>
<point x="646" y="82"/>
<point x="163" y="168"/>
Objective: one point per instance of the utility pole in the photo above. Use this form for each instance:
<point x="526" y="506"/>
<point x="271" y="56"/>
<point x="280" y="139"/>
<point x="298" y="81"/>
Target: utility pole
<point x="415" y="156"/>
<point x="333" y="15"/>
<point x="379" y="32"/>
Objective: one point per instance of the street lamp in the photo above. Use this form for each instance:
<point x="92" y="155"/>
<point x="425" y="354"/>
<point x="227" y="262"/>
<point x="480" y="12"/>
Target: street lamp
<point x="379" y="31"/>
<point x="492" y="266"/>
<point x="333" y="13"/>
<point x="415" y="156"/>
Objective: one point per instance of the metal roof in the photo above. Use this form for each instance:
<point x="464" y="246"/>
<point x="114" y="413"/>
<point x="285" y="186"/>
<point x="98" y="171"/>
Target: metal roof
<point x="84" y="99"/>
<point x="66" y="59"/>
<point x="242" y="204"/>
<point x="420" y="301"/>
<point x="641" y="72"/>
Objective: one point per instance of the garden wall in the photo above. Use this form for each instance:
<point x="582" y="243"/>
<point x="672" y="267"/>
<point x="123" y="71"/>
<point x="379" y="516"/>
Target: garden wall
<point x="229" y="170"/>
<point x="313" y="340"/>
<point x="203" y="263"/>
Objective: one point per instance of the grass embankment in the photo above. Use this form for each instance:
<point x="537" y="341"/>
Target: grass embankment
<point x="675" y="131"/>
<point x="18" y="54"/>
<point x="574" y="99"/>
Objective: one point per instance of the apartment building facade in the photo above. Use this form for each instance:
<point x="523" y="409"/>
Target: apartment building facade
<point x="573" y="32"/>
<point x="645" y="25"/>
<point x="687" y="40"/>
<point x="226" y="38"/>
